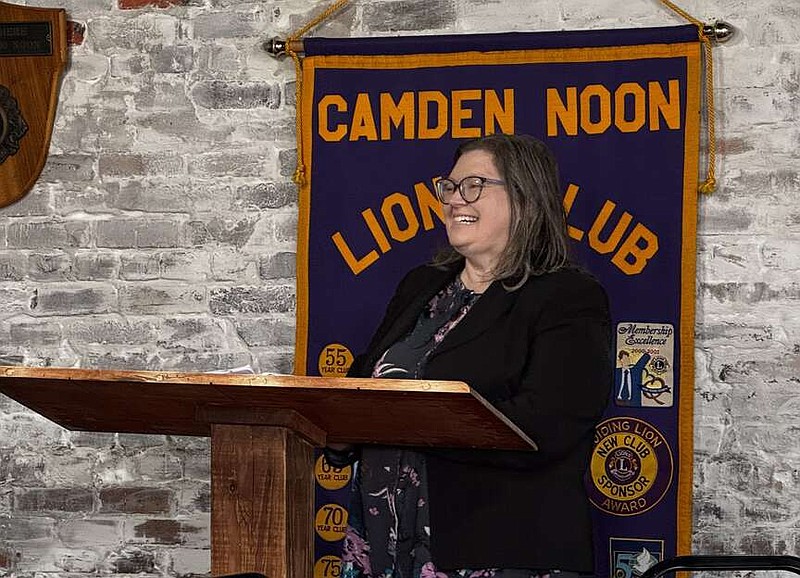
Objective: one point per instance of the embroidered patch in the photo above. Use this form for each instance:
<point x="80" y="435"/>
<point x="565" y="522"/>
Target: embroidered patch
<point x="334" y="360"/>
<point x="631" y="466"/>
<point x="329" y="477"/>
<point x="643" y="376"/>
<point x="330" y="522"/>
<point x="631" y="557"/>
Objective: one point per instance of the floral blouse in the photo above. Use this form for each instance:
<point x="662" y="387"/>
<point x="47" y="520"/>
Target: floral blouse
<point x="406" y="359"/>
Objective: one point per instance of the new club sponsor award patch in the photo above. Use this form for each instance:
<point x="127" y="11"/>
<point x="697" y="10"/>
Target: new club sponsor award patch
<point x="631" y="466"/>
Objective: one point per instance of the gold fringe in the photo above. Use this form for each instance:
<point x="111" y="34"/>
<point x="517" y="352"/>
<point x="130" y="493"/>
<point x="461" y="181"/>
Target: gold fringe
<point x="300" y="172"/>
<point x="710" y="184"/>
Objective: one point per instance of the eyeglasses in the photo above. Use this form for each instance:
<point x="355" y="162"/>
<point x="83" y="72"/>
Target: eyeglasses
<point x="470" y="188"/>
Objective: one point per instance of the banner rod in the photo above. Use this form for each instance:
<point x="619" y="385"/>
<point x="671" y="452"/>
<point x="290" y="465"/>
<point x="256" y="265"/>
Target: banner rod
<point x="718" y="31"/>
<point x="278" y="47"/>
<point x="714" y="33"/>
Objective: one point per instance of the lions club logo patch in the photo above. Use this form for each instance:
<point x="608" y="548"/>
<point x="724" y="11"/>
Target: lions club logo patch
<point x="631" y="467"/>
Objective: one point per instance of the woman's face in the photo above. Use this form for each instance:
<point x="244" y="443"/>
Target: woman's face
<point x="479" y="230"/>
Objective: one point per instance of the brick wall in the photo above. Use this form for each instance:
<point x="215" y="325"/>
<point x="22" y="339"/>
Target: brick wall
<point x="161" y="235"/>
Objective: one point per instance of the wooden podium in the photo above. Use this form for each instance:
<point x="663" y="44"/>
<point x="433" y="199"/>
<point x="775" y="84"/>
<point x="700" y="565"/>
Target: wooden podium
<point x="263" y="429"/>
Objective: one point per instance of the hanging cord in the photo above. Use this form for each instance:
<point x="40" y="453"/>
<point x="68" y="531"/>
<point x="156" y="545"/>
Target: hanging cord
<point x="300" y="172"/>
<point x="710" y="183"/>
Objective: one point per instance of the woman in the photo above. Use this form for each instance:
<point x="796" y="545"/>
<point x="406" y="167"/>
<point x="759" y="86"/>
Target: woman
<point x="504" y="311"/>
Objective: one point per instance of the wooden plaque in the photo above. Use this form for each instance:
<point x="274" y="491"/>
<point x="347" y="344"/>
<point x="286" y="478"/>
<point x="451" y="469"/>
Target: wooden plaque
<point x="33" y="53"/>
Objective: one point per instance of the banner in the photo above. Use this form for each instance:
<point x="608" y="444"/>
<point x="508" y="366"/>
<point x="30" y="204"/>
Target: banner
<point x="381" y="119"/>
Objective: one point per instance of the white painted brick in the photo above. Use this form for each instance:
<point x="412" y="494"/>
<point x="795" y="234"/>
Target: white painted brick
<point x="191" y="561"/>
<point x="233" y="265"/>
<point x="758" y="66"/>
<point x="73" y="299"/>
<point x="746" y="107"/>
<point x="160" y="297"/>
<point x="194" y="497"/>
<point x="131" y="31"/>
<point x="90" y="533"/>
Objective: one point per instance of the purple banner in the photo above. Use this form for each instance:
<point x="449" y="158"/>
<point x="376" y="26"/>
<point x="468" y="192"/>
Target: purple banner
<point x="620" y="110"/>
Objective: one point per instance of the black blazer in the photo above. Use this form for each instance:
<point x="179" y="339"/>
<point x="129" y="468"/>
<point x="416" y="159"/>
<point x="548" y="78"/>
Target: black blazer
<point x="542" y="356"/>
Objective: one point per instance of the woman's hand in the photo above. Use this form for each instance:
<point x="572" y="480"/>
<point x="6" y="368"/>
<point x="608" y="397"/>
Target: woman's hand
<point x="340" y="455"/>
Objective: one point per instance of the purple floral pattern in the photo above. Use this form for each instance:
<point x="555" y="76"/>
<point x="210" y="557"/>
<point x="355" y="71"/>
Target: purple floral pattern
<point x="388" y="535"/>
<point x="406" y="359"/>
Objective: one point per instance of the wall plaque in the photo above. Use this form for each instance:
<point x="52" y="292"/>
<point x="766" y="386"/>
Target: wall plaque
<point x="26" y="39"/>
<point x="33" y="53"/>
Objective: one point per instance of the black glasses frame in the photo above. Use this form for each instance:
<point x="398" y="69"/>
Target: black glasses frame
<point x="459" y="186"/>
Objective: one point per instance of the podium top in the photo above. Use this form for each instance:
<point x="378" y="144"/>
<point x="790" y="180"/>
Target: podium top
<point x="374" y="411"/>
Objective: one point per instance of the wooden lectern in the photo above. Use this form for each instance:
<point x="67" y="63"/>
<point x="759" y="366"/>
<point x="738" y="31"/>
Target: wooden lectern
<point x="263" y="429"/>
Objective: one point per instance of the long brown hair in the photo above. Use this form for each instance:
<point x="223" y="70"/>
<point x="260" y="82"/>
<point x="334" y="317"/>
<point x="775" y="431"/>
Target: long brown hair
<point x="538" y="241"/>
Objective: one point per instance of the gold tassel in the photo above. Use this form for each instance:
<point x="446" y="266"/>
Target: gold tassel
<point x="710" y="183"/>
<point x="300" y="172"/>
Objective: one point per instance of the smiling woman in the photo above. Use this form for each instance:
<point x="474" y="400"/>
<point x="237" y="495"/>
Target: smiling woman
<point x="503" y="310"/>
<point x="478" y="225"/>
<point x="537" y="238"/>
